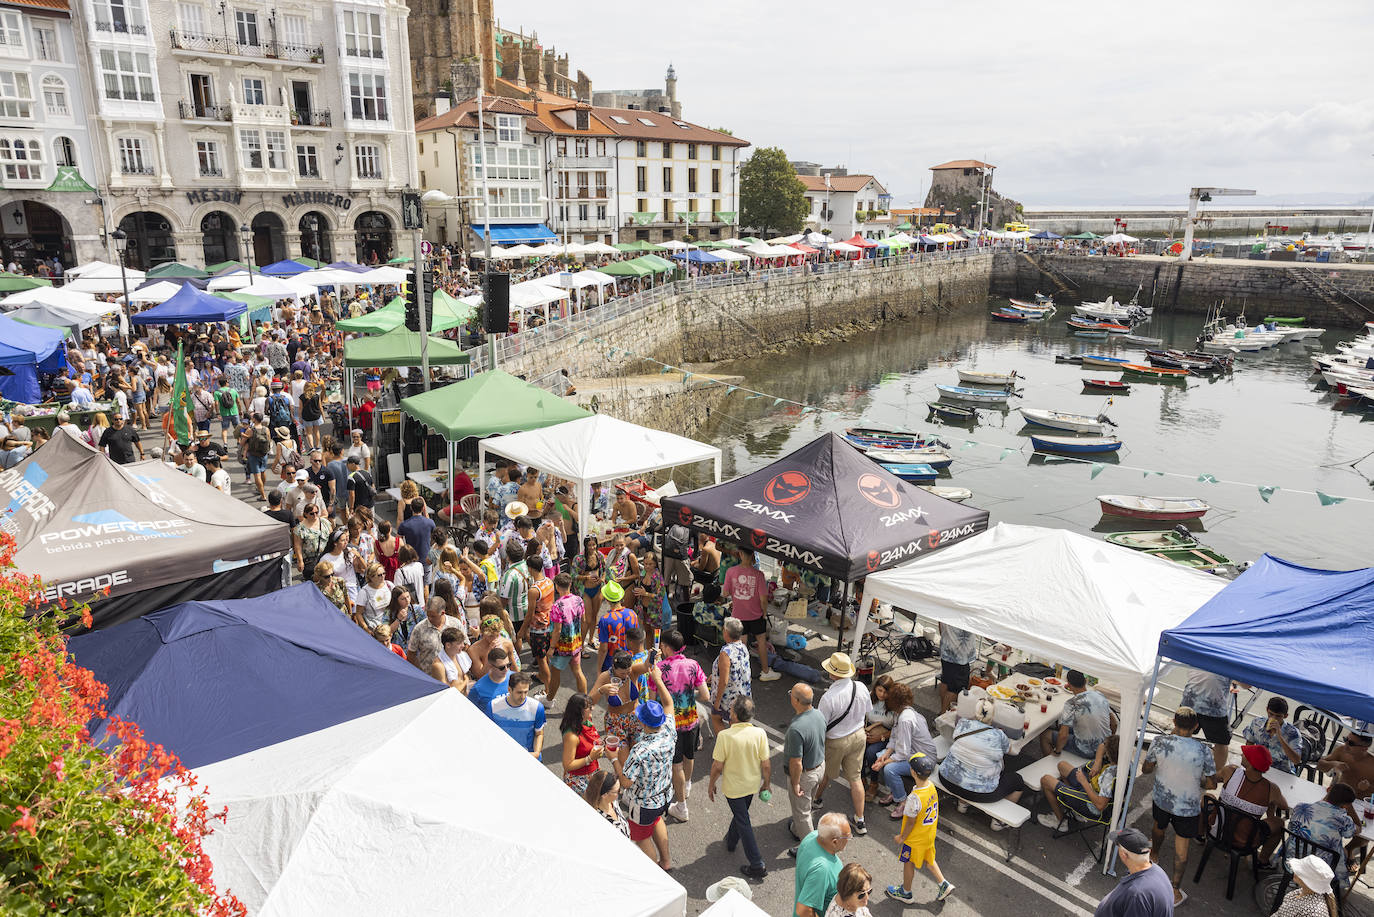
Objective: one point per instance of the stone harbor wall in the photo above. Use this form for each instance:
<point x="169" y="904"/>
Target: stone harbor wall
<point x="1330" y="295"/>
<point x="730" y="322"/>
<point x="660" y="400"/>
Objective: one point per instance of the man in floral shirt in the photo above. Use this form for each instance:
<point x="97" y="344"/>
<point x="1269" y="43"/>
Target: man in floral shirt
<point x="1183" y="768"/>
<point x="1330" y="822"/>
<point x="958" y="651"/>
<point x="1273" y="732"/>
<point x="647" y="773"/>
<point x="1084" y="723"/>
<point x="686" y="682"/>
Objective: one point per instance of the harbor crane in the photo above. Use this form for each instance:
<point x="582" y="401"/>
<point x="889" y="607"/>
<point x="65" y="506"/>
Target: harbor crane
<point x="1203" y="195"/>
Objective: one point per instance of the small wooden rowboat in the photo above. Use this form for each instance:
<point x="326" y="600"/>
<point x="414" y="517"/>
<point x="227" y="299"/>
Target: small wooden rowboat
<point x="1060" y="420"/>
<point x="972" y="377"/>
<point x="1075" y="445"/>
<point x="1198" y="557"/>
<point x="1142" y="340"/>
<point x="974" y="395"/>
<point x="1091" y="335"/>
<point x="1101" y="359"/>
<point x="1111" y="386"/>
<point x="1160" y="509"/>
<point x="1152" y="541"/>
<point x="952" y="414"/>
<point x="952" y="494"/>
<point x="1015" y="318"/>
<point x="911" y="471"/>
<point x="871" y="437"/>
<point x="927" y="455"/>
<point x="1157" y="373"/>
<point x="1280" y="319"/>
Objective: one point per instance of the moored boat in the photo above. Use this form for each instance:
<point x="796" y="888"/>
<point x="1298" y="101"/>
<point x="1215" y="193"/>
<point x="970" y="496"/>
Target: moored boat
<point x="974" y="395"/>
<point x="1075" y="359"/>
<point x="1285" y="320"/>
<point x="950" y="413"/>
<point x="1015" y="318"/>
<point x="1153" y="541"/>
<point x="952" y="494"/>
<point x="974" y="377"/>
<point x="1158" y="373"/>
<point x="1199" y="557"/>
<point x="1161" y="509"/>
<point x="911" y="471"/>
<point x="1060" y="420"/>
<point x="1142" y="340"/>
<point x="1075" y="445"/>
<point x="935" y="458"/>
<point x="1101" y="359"/>
<point x="1091" y="335"/>
<point x="868" y="437"/>
<point x="1109" y="386"/>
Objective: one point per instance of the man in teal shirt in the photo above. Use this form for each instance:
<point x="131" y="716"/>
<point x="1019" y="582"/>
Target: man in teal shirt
<point x="818" y="865"/>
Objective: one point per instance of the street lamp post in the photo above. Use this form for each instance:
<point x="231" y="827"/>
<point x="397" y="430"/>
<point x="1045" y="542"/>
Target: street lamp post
<point x="314" y="225"/>
<point x="121" y="241"/>
<point x="248" y="249"/>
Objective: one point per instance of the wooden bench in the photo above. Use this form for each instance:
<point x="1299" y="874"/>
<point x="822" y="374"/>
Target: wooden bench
<point x="1033" y="772"/>
<point x="942" y="746"/>
<point x="1012" y="814"/>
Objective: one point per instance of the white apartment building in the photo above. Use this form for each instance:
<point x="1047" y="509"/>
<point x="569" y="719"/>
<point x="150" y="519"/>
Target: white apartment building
<point x="48" y="169"/>
<point x="236" y="130"/>
<point x="837" y="202"/>
<point x="565" y="170"/>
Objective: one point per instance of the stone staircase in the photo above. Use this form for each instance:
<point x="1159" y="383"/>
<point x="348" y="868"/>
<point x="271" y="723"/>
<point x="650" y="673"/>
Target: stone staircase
<point x="1332" y="295"/>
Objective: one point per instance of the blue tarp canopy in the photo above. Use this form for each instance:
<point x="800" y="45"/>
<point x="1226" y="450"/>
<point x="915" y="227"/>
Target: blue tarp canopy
<point x="24" y="350"/>
<point x="698" y="256"/>
<point x="513" y="233"/>
<point x="286" y="268"/>
<point x="1295" y="631"/>
<point x="347" y="266"/>
<point x="191" y="305"/>
<point x="1046" y="234"/>
<point x="212" y="680"/>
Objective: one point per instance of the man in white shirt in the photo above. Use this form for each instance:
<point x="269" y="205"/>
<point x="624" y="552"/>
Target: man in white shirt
<point x="64" y="423"/>
<point x="845" y="704"/>
<point x="219" y="478"/>
<point x="190" y="466"/>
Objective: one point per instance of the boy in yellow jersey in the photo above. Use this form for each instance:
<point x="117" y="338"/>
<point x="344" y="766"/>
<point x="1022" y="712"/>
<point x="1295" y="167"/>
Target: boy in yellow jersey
<point x="917" y="836"/>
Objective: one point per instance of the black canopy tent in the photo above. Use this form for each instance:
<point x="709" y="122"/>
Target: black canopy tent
<point x="827" y="507"/>
<point x="129" y="539"/>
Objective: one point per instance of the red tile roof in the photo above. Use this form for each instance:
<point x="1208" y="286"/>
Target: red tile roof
<point x="661" y="127"/>
<point x="41" y="4"/>
<point x="962" y="164"/>
<point x="841" y="183"/>
<point x="464" y="114"/>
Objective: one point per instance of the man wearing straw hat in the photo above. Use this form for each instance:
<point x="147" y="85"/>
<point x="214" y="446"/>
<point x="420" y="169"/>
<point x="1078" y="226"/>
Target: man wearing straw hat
<point x="844" y="705"/>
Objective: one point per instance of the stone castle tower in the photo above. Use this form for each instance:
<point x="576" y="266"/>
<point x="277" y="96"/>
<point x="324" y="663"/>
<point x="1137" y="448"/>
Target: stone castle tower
<point x="450" y="40"/>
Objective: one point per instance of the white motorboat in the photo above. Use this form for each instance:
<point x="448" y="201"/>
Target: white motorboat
<point x="1336" y="377"/>
<point x="974" y="395"/>
<point x="935" y="458"/>
<point x="1060" y="420"/>
<point x="973" y="377"/>
<point x="953" y="494"/>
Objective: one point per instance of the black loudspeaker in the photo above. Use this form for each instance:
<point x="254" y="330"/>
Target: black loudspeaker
<point x="497" y="297"/>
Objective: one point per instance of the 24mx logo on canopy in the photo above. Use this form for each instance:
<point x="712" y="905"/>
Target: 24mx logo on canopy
<point x="878" y="491"/>
<point x="787" y="488"/>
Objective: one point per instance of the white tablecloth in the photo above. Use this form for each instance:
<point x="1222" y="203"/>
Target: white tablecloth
<point x="1038" y="722"/>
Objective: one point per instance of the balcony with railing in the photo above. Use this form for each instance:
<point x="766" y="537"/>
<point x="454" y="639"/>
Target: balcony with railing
<point x="260" y="114"/>
<point x="196" y="43"/>
<point x="198" y="111"/>
<point x="136" y="168"/>
<point x="314" y="117"/>
<point x="120" y="28"/>
<point x="210" y="171"/>
<point x="583" y="162"/>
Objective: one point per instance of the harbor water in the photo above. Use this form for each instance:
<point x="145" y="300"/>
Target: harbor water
<point x="1266" y="424"/>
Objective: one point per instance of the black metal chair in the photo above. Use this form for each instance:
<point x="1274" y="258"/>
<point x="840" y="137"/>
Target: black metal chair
<point x="1301" y="847"/>
<point x="1221" y="823"/>
<point x="1073" y="822"/>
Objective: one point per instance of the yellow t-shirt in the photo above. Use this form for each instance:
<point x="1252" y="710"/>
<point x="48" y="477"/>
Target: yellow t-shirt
<point x="922" y="816"/>
<point x="742" y="749"/>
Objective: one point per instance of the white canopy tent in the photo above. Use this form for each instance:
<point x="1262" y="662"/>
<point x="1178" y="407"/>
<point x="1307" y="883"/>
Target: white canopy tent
<point x="676" y="245"/>
<point x="55" y="296"/>
<point x="733" y="904"/>
<point x="1058" y="596"/>
<point x="729" y="254"/>
<point x="517" y="251"/>
<point x="600" y="248"/>
<point x="580" y="279"/>
<point x="766" y="250"/>
<point x="596" y="448"/>
<point x="95" y="268"/>
<point x="104" y="279"/>
<point x="161" y="291"/>
<point x="233" y="280"/>
<point x="734" y="243"/>
<point x="330" y="277"/>
<point x="382" y="275"/>
<point x="844" y="248"/>
<point x="311" y="819"/>
<point x="547" y="249"/>
<point x="1118" y="237"/>
<point x="278" y="288"/>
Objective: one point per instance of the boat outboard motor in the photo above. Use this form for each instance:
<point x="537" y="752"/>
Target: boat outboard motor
<point x="1103" y="418"/>
<point x="1182" y="531"/>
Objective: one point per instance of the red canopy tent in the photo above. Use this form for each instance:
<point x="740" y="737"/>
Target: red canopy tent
<point x="861" y="241"/>
<point x="805" y="249"/>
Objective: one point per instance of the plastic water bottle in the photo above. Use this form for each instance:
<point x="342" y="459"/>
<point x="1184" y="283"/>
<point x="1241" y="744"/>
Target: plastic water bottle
<point x="765" y="796"/>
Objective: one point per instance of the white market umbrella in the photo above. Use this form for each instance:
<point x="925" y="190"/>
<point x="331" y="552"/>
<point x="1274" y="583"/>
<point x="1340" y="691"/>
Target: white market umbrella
<point x="234" y="280"/>
<point x="676" y="245"/>
<point x="548" y="248"/>
<point x="49" y="296"/>
<point x="601" y="248"/>
<point x="519" y="251"/>
<point x="382" y="275"/>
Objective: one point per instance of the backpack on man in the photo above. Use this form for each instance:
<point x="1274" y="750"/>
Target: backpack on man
<point x="279" y="411"/>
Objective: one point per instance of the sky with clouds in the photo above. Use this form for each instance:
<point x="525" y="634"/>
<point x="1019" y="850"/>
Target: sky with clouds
<point x="1075" y="103"/>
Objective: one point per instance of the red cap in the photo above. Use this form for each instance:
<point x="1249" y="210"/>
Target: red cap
<point x="1258" y="756"/>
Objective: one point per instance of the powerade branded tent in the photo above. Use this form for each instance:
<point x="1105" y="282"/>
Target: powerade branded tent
<point x="827" y="507"/>
<point x="24" y="350"/>
<point x="1298" y="632"/>
<point x="289" y="652"/>
<point x="332" y="757"/>
<point x="131" y="538"/>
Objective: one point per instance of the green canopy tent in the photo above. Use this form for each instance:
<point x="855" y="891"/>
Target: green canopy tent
<point x="750" y="240"/>
<point x="655" y="264"/>
<point x="15" y="283"/>
<point x="448" y="313"/>
<point x="487" y="404"/>
<point x="626" y="269"/>
<point x="174" y="269"/>
<point x="400" y="347"/>
<point x="310" y="262"/>
<point x="225" y="267"/>
<point x="1084" y="235"/>
<point x="639" y="245"/>
<point x="401" y="259"/>
<point x="259" y="309"/>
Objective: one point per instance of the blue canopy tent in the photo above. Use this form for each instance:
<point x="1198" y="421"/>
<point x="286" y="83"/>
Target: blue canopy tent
<point x="287" y="268"/>
<point x="191" y="305"/>
<point x="25" y="350"/>
<point x="697" y="256"/>
<point x="521" y="233"/>
<point x="348" y="266"/>
<point x="212" y="680"/>
<point x="1046" y="234"/>
<point x="1299" y="632"/>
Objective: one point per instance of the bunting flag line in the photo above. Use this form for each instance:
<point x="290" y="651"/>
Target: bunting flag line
<point x="1146" y="474"/>
<point x="1266" y="491"/>
<point x="1006" y="452"/>
<point x="1097" y="469"/>
<point x="1328" y="500"/>
<point x="1206" y="478"/>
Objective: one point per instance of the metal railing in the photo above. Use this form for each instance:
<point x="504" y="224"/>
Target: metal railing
<point x="136" y="168"/>
<point x="315" y="117"/>
<point x="211" y="172"/>
<point x="591" y="320"/>
<point x="123" y="28"/>
<point x="223" y="44"/>
<point x="206" y="112"/>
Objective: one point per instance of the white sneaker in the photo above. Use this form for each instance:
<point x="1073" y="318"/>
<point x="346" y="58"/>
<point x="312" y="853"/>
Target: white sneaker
<point x="1048" y="820"/>
<point x="773" y="675"/>
<point x="963" y="807"/>
<point x="998" y="825"/>
<point x="678" y="810"/>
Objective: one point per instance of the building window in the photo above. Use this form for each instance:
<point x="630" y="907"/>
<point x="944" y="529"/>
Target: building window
<point x="246" y="27"/>
<point x="367" y="96"/>
<point x="207" y="159"/>
<point x="600" y="184"/>
<point x="667" y="210"/>
<point x="254" y="91"/>
<point x="125" y="16"/>
<point x="715" y="152"/>
<point x="45" y="43"/>
<point x="691" y="181"/>
<point x="131" y="159"/>
<point x="22" y="159"/>
<point x="601" y="148"/>
<point x="582" y="146"/>
<point x="583" y="183"/>
<point x="64" y="151"/>
<point x="507" y="129"/>
<point x="307" y="160"/>
<point x="691" y="151"/>
<point x="641" y="178"/>
<point x="668" y="179"/>
<point x="641" y="149"/>
<point x="296" y="31"/>
<point x="127" y="75"/>
<point x="276" y="149"/>
<point x="715" y="208"/>
<point x="642" y="205"/>
<point x="16" y="95"/>
<point x="362" y="34"/>
<point x="667" y="151"/>
<point x="561" y="146"/>
<point x="582" y="210"/>
<point x="192" y="17"/>
<point x="250" y="146"/>
<point x="11" y="33"/>
<point x="601" y="212"/>
<point x="55" y="97"/>
<point x="367" y="160"/>
<point x="715" y="181"/>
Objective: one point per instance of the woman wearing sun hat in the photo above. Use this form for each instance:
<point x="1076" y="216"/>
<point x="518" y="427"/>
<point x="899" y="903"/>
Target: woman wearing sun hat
<point x="611" y="628"/>
<point x="1312" y="897"/>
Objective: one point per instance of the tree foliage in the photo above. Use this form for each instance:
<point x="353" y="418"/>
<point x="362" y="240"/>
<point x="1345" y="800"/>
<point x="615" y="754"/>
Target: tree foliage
<point x="772" y="199"/>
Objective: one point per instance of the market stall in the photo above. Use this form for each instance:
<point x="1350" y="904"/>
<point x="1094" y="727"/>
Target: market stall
<point x="24" y="351"/>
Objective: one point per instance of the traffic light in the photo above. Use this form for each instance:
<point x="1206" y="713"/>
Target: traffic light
<point x="415" y="293"/>
<point x="496" y="293"/>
